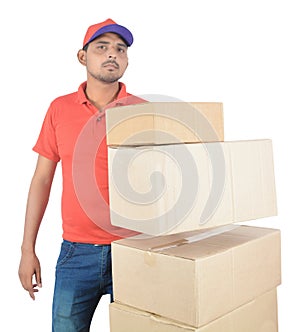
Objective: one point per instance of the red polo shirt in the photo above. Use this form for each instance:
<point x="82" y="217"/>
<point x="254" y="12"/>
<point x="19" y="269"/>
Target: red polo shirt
<point x="73" y="132"/>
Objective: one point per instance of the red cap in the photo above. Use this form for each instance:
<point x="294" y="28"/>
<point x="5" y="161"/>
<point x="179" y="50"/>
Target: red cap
<point x="96" y="30"/>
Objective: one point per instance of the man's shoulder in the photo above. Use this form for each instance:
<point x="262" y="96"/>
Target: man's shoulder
<point x="66" y="99"/>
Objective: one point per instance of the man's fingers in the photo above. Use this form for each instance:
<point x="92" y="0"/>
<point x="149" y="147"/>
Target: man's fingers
<point x="30" y="287"/>
<point x="32" y="291"/>
<point x="30" y="273"/>
<point x="26" y="283"/>
<point x="31" y="294"/>
<point x="38" y="278"/>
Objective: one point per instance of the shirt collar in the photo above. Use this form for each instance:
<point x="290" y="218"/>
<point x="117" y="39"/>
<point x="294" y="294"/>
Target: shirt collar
<point x="82" y="99"/>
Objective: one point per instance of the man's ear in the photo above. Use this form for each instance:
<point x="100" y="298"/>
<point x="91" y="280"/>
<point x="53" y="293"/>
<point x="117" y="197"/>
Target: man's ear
<point x="81" y="56"/>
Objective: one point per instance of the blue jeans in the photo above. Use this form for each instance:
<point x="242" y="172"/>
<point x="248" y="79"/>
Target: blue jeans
<point x="83" y="275"/>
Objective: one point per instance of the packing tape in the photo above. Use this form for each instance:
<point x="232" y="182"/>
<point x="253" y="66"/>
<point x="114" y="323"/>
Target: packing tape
<point x="194" y="238"/>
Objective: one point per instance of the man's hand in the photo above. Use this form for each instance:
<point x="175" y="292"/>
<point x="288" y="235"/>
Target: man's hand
<point x="30" y="273"/>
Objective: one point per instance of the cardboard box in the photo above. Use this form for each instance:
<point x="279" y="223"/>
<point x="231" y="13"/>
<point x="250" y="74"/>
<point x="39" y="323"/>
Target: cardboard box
<point x="165" y="123"/>
<point x="181" y="187"/>
<point x="198" y="282"/>
<point x="259" y="315"/>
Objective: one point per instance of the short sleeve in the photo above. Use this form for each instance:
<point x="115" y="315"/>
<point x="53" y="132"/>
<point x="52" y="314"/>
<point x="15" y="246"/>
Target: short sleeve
<point x="46" y="144"/>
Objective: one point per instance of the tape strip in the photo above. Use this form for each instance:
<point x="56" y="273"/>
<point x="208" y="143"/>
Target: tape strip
<point x="194" y="238"/>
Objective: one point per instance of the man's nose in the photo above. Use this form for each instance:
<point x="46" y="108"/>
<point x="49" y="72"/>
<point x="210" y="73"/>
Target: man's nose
<point x="112" y="54"/>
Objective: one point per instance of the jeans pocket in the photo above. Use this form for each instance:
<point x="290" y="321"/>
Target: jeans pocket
<point x="66" y="252"/>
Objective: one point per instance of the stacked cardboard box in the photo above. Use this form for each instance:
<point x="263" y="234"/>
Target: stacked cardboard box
<point x="165" y="123"/>
<point x="195" y="194"/>
<point x="257" y="315"/>
<point x="199" y="281"/>
<point x="196" y="269"/>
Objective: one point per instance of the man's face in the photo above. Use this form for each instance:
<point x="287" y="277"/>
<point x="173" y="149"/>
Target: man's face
<point x="106" y="58"/>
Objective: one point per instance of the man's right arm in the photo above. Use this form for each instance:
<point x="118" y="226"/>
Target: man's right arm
<point x="38" y="196"/>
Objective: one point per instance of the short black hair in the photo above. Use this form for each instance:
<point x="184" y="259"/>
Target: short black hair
<point x="86" y="47"/>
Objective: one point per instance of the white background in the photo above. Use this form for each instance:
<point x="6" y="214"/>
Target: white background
<point x="242" y="53"/>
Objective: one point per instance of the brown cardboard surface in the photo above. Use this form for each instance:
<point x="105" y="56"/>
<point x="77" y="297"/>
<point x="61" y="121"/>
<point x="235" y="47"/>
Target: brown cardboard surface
<point x="181" y="187"/>
<point x="258" y="315"/>
<point x="165" y="123"/>
<point x="198" y="282"/>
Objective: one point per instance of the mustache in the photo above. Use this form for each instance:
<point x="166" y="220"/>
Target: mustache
<point x="110" y="62"/>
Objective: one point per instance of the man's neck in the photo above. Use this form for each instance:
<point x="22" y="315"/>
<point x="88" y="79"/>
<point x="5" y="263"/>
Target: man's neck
<point x="101" y="94"/>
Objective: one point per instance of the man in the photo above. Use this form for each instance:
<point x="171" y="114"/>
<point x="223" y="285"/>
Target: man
<point x="83" y="271"/>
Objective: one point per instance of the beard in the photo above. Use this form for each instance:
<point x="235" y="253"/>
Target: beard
<point x="106" y="78"/>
